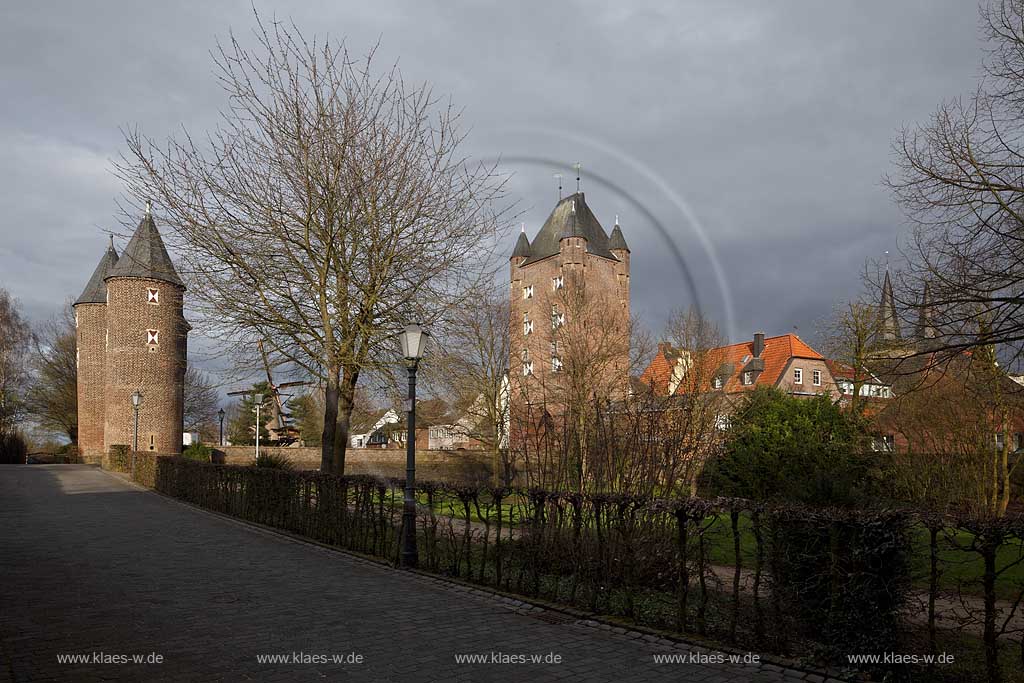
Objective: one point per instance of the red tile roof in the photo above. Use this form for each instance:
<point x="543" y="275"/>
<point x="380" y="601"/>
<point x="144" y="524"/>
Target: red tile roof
<point x="778" y="351"/>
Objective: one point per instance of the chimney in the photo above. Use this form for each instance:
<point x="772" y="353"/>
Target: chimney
<point x="663" y="348"/>
<point x="758" y="344"/>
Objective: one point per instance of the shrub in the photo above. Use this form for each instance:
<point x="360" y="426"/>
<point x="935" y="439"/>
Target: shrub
<point x="199" y="452"/>
<point x="13" y="449"/>
<point x="275" y="461"/>
<point x="119" y="458"/>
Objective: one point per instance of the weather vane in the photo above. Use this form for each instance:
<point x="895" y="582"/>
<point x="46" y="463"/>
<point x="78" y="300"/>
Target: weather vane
<point x="558" y="177"/>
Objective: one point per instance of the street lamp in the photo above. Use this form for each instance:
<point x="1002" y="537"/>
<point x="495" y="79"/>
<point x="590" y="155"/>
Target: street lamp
<point x="220" y="414"/>
<point x="136" y="404"/>
<point x="414" y="342"/>
<point x="258" y="398"/>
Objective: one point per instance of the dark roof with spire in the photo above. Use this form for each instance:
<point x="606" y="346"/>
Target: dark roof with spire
<point x="95" y="291"/>
<point x="571" y="218"/>
<point x="522" y="245"/>
<point x="617" y="241"/>
<point x="145" y="256"/>
<point x="925" y="327"/>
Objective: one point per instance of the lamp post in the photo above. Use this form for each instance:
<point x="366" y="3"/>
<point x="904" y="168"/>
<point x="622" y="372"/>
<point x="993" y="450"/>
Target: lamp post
<point x="136" y="404"/>
<point x="258" y="398"/>
<point x="414" y="341"/>
<point x="220" y="414"/>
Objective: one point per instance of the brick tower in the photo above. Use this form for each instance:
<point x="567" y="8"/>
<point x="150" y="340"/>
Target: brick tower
<point x="90" y="337"/>
<point x="569" y="307"/>
<point x="146" y="344"/>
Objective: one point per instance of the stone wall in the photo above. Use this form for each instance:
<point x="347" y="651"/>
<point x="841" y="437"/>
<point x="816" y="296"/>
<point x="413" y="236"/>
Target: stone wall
<point x="469" y="466"/>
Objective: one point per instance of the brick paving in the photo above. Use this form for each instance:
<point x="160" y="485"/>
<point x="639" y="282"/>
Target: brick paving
<point x="91" y="564"/>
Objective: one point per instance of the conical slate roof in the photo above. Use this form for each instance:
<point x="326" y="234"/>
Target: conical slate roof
<point x="571" y="218"/>
<point x="95" y="291"/>
<point x="617" y="240"/>
<point x="887" y="319"/>
<point x="145" y="256"/>
<point x="522" y="246"/>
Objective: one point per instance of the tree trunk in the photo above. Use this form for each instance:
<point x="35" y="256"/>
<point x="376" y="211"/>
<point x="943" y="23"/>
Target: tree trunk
<point x="327" y="437"/>
<point x="346" y="402"/>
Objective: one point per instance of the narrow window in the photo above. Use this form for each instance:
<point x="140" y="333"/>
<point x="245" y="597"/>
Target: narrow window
<point x="556" y="364"/>
<point x="557" y="282"/>
<point x="557" y="318"/>
<point x="527" y="369"/>
<point x="816" y="378"/>
<point x="527" y="324"/>
<point x="152" y="337"/>
<point x="153" y="296"/>
<point x="528" y="292"/>
<point x="798" y="376"/>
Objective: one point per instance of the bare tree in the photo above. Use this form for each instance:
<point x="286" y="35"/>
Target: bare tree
<point x="201" y="403"/>
<point x="52" y="395"/>
<point x="328" y="209"/>
<point x="852" y="336"/>
<point x="15" y="340"/>
<point x="471" y="371"/>
<point x="960" y="180"/>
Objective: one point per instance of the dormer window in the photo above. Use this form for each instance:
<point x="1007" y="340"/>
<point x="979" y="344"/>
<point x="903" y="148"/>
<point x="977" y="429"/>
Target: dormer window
<point x="152" y="337"/>
<point x="748" y="377"/>
<point x="527" y="324"/>
<point x="716" y="383"/>
<point x="798" y="376"/>
<point x="557" y="283"/>
<point x="528" y="292"/>
<point x="153" y="296"/>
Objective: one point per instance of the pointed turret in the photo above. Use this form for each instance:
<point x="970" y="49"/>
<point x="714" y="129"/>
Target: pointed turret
<point x="522" y="244"/>
<point x="617" y="241"/>
<point x="888" y="323"/>
<point x="95" y="291"/>
<point x="145" y="256"/>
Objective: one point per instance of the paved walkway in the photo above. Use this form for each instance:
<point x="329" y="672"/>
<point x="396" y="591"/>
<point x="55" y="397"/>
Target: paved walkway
<point x="94" y="567"/>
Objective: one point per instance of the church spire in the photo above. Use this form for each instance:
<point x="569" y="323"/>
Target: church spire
<point x="925" y="325"/>
<point x="887" y="319"/>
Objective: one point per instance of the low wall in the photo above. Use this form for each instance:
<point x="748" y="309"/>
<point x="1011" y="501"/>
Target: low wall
<point x="467" y="466"/>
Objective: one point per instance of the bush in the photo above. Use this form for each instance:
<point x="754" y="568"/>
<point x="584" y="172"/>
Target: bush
<point x="791" y="450"/>
<point x="119" y="458"/>
<point x="13" y="449"/>
<point x="199" y="452"/>
<point x="275" y="461"/>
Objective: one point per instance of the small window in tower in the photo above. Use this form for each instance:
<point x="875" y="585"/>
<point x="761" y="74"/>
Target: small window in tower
<point x="557" y="318"/>
<point x="152" y="337"/>
<point x="527" y="324"/>
<point x="557" y="282"/>
<point x="556" y="364"/>
<point x="527" y="369"/>
<point x="153" y="295"/>
<point x="528" y="292"/>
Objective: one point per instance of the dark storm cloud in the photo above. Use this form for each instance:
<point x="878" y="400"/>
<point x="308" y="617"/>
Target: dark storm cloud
<point x="768" y="124"/>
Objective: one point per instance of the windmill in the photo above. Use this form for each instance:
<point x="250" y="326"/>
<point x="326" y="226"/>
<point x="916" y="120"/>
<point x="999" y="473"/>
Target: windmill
<point x="281" y="429"/>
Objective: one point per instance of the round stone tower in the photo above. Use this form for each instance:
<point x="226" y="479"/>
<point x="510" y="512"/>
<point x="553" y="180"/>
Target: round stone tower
<point x="90" y="357"/>
<point x="146" y="345"/>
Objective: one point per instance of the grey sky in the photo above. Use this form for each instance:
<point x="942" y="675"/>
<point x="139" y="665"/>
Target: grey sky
<point x="770" y="122"/>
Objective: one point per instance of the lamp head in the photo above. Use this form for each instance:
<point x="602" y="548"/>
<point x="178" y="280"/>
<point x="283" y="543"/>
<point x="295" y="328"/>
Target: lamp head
<point x="414" y="342"/>
<point x="220" y="413"/>
<point x="137" y="398"/>
<point x="258" y="399"/>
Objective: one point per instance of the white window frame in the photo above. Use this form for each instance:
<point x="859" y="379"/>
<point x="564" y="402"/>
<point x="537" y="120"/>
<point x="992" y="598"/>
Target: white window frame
<point x="153" y="296"/>
<point x="716" y="383"/>
<point x="527" y="324"/>
<point x="557" y="282"/>
<point x="528" y="292"/>
<point x="816" y="377"/>
<point x="556" y="364"/>
<point x="748" y="377"/>
<point x="798" y="375"/>
<point x="557" y="318"/>
<point x="527" y="368"/>
<point x="152" y="337"/>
